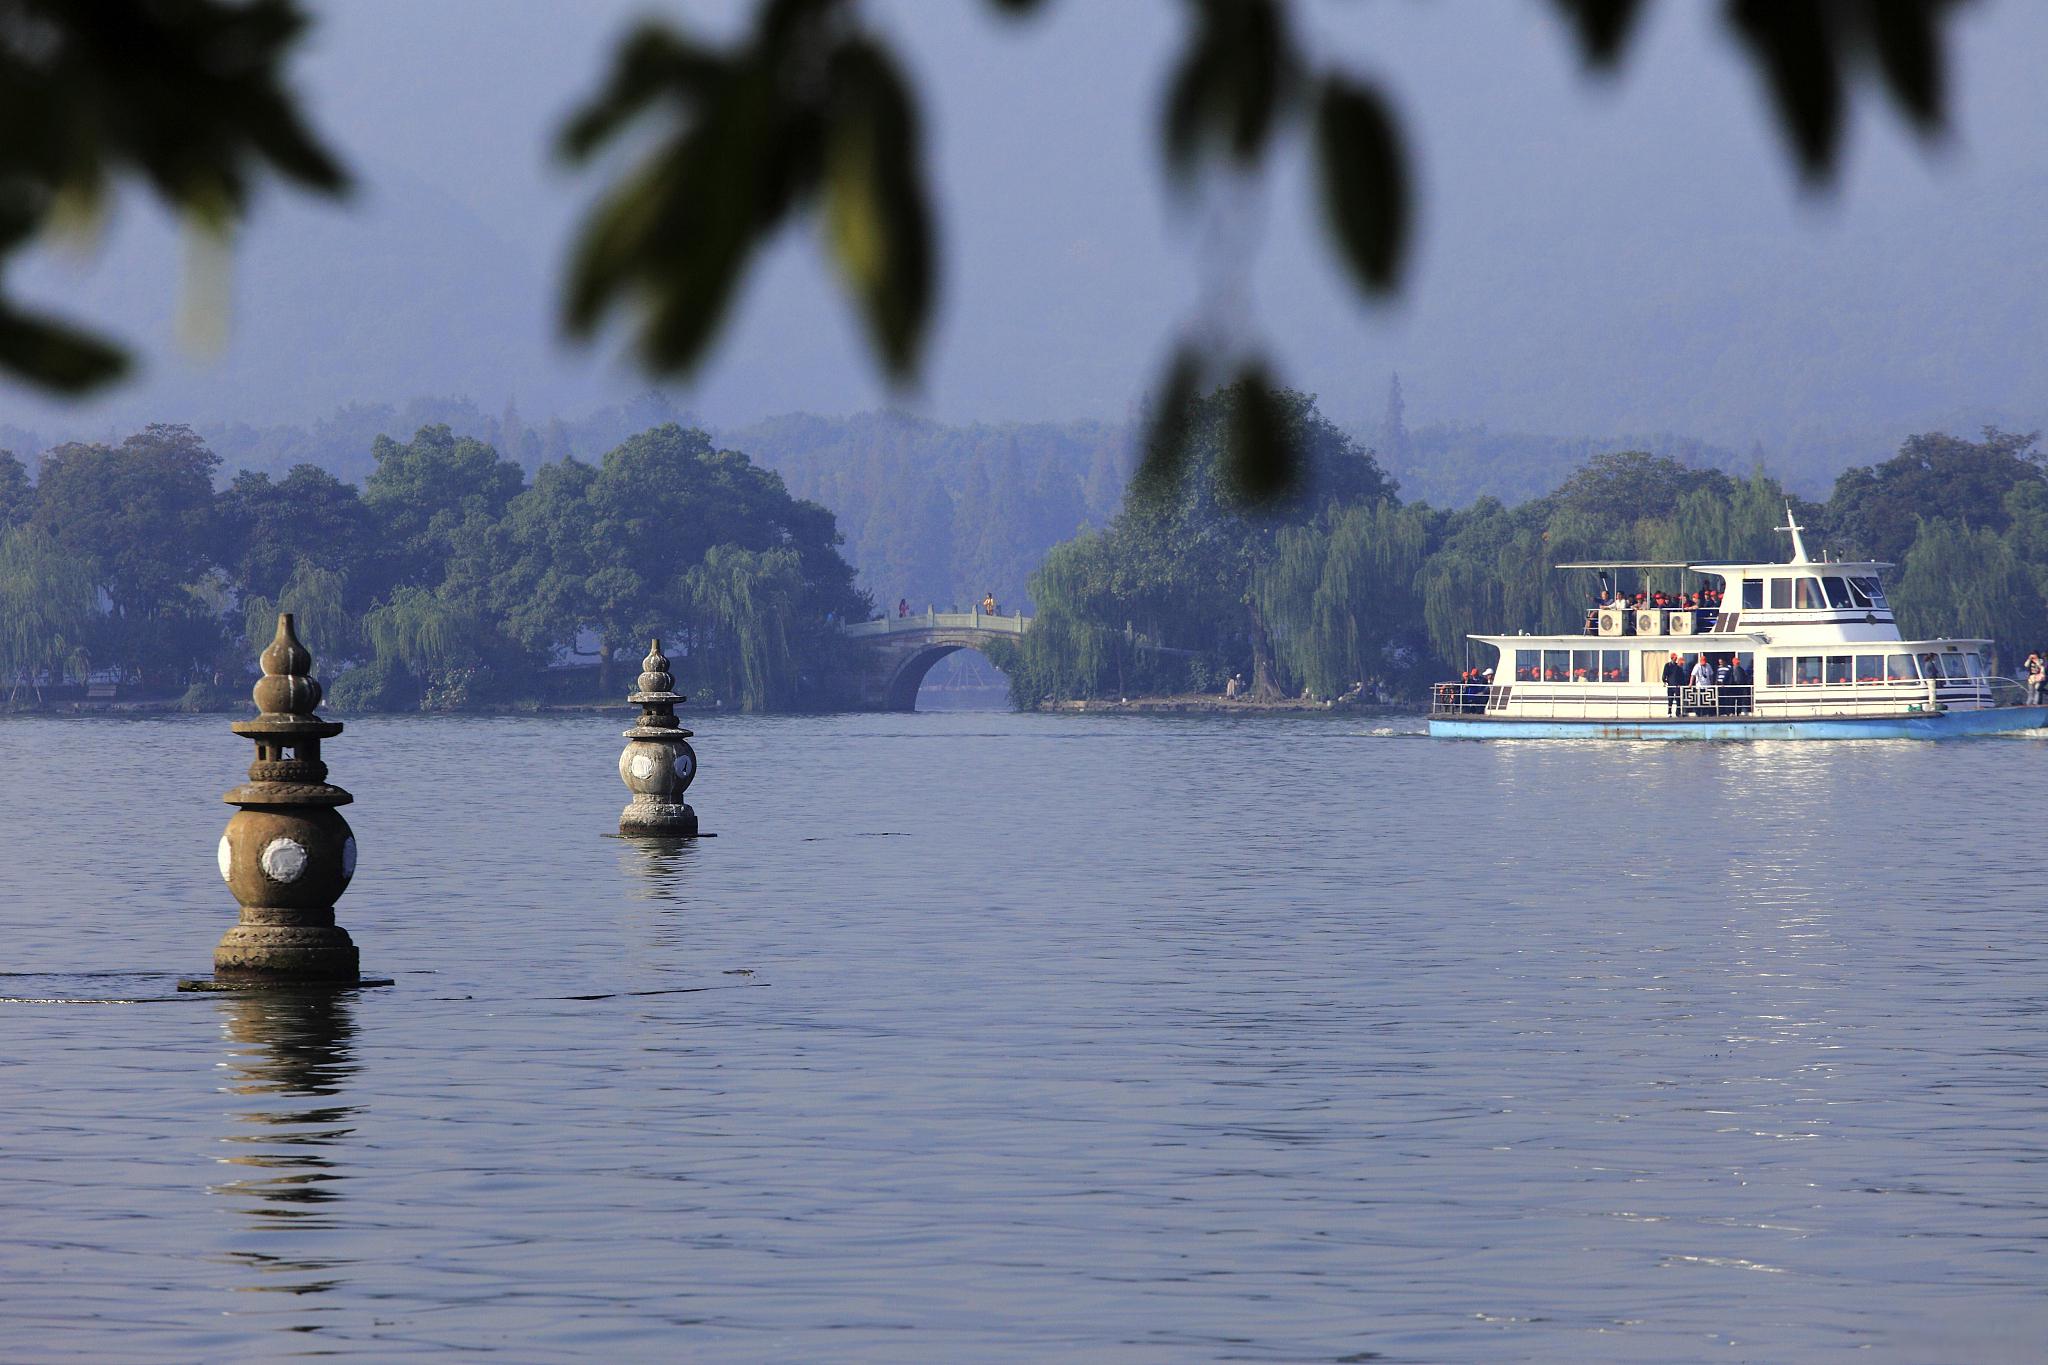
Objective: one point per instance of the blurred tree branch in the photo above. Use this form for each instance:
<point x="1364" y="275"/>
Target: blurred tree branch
<point x="187" y="95"/>
<point x="808" y="113"/>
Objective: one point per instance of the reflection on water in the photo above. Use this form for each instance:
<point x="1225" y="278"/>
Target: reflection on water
<point x="656" y="868"/>
<point x="290" y="1060"/>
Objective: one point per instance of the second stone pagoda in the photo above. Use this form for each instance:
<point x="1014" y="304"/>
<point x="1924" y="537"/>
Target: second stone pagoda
<point x="658" y="764"/>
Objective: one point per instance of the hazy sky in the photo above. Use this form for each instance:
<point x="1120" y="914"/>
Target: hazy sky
<point x="1595" y="256"/>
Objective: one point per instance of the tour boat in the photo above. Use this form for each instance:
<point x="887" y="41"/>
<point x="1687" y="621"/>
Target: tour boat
<point x="1815" y="640"/>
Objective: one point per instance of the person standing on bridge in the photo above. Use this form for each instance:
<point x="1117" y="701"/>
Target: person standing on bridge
<point x="988" y="604"/>
<point x="903" y="606"/>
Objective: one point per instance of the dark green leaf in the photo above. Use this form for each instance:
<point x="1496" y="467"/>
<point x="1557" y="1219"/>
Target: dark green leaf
<point x="1907" y="37"/>
<point x="54" y="356"/>
<point x="1365" y="182"/>
<point x="1264" y="462"/>
<point x="1167" y="434"/>
<point x="1794" y="44"/>
<point x="1232" y="83"/>
<point x="1603" y="26"/>
<point x="876" y="216"/>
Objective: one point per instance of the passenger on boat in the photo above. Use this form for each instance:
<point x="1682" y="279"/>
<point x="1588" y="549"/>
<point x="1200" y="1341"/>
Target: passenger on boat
<point x="1740" y="685"/>
<point x="1724" y="686"/>
<point x="1702" y="681"/>
<point x="1674" y="686"/>
<point x="2037" y="680"/>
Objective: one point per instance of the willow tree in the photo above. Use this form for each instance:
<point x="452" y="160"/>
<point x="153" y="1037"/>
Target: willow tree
<point x="748" y="602"/>
<point x="315" y="598"/>
<point x="1339" y="595"/>
<point x="1964" y="581"/>
<point x="48" y="601"/>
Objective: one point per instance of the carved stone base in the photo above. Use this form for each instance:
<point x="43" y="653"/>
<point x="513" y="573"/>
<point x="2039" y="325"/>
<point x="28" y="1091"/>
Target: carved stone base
<point x="288" y="952"/>
<point x="669" y="819"/>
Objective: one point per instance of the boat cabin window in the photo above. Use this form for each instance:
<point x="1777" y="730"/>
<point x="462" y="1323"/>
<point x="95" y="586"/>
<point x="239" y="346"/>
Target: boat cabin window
<point x="1838" y="591"/>
<point x="1838" y="668"/>
<point x="1868" y="592"/>
<point x="1975" y="663"/>
<point x="1527" y="661"/>
<point x="1808" y="670"/>
<point x="1752" y="594"/>
<point x="1900" y="668"/>
<point x="1557" y="665"/>
<point x="1952" y="666"/>
<point x="1870" y="668"/>
<point x="1585" y="665"/>
<point x="1614" y="665"/>
<point x="1781" y="594"/>
<point x="1778" y="672"/>
<point x="1808" y="596"/>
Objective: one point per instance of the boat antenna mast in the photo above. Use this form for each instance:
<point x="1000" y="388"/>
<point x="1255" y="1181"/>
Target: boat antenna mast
<point x="1792" y="526"/>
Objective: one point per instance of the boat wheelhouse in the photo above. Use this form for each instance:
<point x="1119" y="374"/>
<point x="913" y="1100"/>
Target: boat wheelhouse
<point x="1803" y="649"/>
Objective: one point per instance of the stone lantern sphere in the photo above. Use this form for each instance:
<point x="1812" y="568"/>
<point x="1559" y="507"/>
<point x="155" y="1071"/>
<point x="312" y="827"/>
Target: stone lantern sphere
<point x="287" y="854"/>
<point x="658" y="763"/>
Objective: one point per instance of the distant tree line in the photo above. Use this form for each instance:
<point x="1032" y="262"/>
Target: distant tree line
<point x="447" y="580"/>
<point x="1341" y="583"/>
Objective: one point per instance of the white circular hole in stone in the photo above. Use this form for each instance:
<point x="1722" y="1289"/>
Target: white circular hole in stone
<point x="643" y="767"/>
<point x="225" y="856"/>
<point x="283" y="859"/>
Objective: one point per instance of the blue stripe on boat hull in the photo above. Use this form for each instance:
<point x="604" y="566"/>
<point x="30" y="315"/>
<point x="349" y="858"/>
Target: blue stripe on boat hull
<point x="1944" y="725"/>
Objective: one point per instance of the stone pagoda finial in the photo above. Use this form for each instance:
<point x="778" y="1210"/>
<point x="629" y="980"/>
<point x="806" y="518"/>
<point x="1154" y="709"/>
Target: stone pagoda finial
<point x="287" y="853"/>
<point x="658" y="763"/>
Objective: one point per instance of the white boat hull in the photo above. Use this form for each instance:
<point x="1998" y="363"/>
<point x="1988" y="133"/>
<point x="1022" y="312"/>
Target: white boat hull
<point x="1956" y="724"/>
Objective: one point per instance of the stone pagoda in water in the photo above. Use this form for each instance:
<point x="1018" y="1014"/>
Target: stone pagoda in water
<point x="287" y="854"/>
<point x="658" y="763"/>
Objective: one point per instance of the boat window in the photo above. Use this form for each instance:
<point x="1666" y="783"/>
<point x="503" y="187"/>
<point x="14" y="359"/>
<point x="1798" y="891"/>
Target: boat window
<point x="1857" y="595"/>
<point x="1780" y="672"/>
<point x="1870" y="668"/>
<point x="1975" y="663"/>
<point x="1585" y="665"/>
<point x="1809" y="597"/>
<point x="1809" y="669"/>
<point x="1838" y="591"/>
<point x="1871" y="589"/>
<point x="1899" y="668"/>
<point x="1838" y="668"/>
<point x="1526" y="665"/>
<point x="1557" y="665"/>
<point x="1951" y="665"/>
<point x="1781" y="594"/>
<point x="1614" y="665"/>
<point x="1752" y="594"/>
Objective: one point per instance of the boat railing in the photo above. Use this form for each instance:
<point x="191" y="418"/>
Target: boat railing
<point x="1597" y="703"/>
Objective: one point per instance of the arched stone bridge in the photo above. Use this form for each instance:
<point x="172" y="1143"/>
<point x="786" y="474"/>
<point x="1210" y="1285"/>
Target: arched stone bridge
<point x="902" y="649"/>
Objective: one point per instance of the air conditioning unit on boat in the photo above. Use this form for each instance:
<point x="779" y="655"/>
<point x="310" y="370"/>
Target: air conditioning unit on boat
<point x="1680" y="623"/>
<point x="1613" y="621"/>
<point x="1650" y="620"/>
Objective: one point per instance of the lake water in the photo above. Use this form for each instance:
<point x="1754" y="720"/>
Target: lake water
<point x="982" y="1036"/>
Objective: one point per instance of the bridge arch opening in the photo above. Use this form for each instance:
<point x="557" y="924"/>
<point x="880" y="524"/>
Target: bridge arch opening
<point x="971" y="671"/>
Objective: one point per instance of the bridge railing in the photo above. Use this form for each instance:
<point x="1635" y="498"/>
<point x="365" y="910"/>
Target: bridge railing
<point x="1014" y="624"/>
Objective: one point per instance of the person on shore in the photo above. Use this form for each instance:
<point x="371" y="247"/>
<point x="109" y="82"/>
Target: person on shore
<point x="1674" y="686"/>
<point x="1231" y="688"/>
<point x="1702" y="683"/>
<point x="2037" y="680"/>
